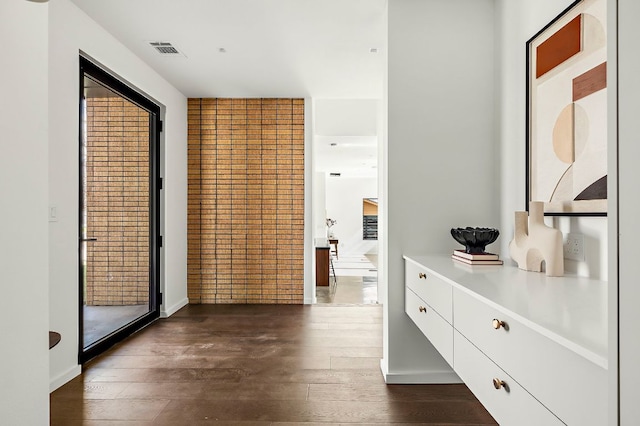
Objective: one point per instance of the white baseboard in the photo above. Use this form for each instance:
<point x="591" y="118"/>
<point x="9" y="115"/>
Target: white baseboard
<point x="65" y="377"/>
<point x="167" y="312"/>
<point x="418" y="377"/>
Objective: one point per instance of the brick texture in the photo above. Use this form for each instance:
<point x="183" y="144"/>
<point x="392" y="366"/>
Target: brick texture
<point x="117" y="202"/>
<point x="246" y="201"/>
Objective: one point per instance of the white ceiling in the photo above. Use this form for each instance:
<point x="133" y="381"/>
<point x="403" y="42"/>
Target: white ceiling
<point x="351" y="156"/>
<point x="345" y="138"/>
<point x="273" y="48"/>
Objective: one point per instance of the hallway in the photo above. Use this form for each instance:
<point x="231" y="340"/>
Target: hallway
<point x="256" y="365"/>
<point x="356" y="281"/>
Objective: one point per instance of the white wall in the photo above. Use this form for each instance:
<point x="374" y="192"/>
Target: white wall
<point x="345" y="117"/>
<point x="440" y="139"/>
<point x="24" y="317"/>
<point x="628" y="390"/>
<point x="628" y="208"/>
<point x="318" y="189"/>
<point x="319" y="205"/>
<point x="71" y="31"/>
<point x="310" y="197"/>
<point x="517" y="22"/>
<point x="344" y="204"/>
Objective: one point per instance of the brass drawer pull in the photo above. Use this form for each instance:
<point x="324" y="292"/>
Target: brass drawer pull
<point x="422" y="309"/>
<point x="497" y="383"/>
<point x="422" y="275"/>
<point x="497" y="324"/>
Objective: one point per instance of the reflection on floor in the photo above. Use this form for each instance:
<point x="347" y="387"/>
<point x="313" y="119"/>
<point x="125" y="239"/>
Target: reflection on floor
<point x="100" y="321"/>
<point x="359" y="266"/>
<point x="356" y="283"/>
<point x="349" y="290"/>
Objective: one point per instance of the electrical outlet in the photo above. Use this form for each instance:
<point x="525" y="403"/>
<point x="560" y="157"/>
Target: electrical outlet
<point x="574" y="247"/>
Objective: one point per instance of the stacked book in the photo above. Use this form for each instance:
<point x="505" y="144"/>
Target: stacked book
<point x="476" y="258"/>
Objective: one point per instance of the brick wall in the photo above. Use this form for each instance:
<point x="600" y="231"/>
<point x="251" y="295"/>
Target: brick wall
<point x="117" y="202"/>
<point x="246" y="201"/>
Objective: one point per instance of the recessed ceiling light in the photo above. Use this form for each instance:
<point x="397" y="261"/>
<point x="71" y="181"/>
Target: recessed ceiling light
<point x="373" y="50"/>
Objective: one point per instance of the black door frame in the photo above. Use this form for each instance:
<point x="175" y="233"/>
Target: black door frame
<point x="155" y="127"/>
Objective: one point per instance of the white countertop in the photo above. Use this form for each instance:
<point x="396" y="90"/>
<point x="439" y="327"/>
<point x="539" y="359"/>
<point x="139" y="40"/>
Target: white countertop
<point x="570" y="310"/>
<point x="321" y="242"/>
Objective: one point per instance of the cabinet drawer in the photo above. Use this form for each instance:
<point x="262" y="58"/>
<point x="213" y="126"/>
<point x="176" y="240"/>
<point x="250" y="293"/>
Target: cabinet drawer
<point x="509" y="405"/>
<point x="569" y="385"/>
<point x="432" y="289"/>
<point x="433" y="326"/>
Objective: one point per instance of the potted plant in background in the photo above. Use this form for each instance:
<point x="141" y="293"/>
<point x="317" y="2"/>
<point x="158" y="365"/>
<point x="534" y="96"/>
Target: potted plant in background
<point x="330" y="222"/>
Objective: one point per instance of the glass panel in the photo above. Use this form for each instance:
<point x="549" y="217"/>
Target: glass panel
<point x="115" y="228"/>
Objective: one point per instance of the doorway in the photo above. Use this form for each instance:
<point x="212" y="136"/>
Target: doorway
<point x="119" y="210"/>
<point x="346" y="136"/>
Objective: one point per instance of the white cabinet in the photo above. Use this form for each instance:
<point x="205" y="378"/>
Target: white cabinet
<point x="546" y="336"/>
<point x="568" y="384"/>
<point x="507" y="401"/>
<point x="430" y="288"/>
<point x="433" y="326"/>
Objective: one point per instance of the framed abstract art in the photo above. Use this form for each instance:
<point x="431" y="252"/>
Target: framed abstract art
<point x="567" y="112"/>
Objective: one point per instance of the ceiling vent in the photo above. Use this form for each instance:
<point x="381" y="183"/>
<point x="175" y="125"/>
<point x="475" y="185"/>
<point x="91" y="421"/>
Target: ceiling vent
<point x="334" y="174"/>
<point x="165" y="48"/>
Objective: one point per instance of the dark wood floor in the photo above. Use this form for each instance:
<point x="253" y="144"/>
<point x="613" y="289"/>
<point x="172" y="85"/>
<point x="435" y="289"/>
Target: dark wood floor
<point x="256" y="365"/>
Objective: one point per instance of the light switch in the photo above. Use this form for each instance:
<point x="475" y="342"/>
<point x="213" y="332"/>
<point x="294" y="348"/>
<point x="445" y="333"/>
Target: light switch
<point x="53" y="213"/>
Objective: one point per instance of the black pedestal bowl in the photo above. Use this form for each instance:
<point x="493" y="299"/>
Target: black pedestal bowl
<point x="474" y="240"/>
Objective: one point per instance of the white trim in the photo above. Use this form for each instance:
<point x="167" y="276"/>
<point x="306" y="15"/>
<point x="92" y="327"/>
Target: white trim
<point x="418" y="377"/>
<point x="309" y="283"/>
<point x="65" y="377"/>
<point x="166" y="313"/>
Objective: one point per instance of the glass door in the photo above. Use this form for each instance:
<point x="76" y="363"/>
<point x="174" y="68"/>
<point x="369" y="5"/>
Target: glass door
<point x="119" y="193"/>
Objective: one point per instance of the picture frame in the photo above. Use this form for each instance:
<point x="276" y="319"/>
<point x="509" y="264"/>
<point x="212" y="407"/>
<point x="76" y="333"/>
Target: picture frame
<point x="566" y="119"/>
